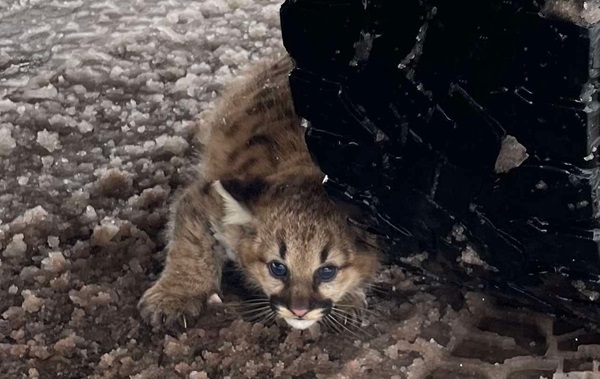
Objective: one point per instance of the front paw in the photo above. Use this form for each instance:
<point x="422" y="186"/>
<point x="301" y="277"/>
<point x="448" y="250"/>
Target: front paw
<point x="161" y="305"/>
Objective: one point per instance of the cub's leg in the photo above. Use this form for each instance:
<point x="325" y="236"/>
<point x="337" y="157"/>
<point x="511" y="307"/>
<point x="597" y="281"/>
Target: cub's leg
<point x="192" y="274"/>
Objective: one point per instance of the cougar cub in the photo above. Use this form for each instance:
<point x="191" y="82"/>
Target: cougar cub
<point x="260" y="202"/>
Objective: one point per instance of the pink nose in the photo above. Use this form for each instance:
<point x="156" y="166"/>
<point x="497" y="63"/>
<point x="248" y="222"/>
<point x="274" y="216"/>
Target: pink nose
<point x="299" y="312"/>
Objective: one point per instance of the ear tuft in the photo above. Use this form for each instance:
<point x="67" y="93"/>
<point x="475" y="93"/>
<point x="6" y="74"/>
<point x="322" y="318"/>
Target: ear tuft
<point x="239" y="197"/>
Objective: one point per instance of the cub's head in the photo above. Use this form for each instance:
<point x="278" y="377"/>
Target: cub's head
<point x="299" y="249"/>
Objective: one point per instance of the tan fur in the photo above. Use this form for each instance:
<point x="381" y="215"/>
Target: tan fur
<point x="259" y="194"/>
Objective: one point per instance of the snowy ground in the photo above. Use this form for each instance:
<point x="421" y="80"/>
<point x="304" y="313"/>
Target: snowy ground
<point x="97" y="100"/>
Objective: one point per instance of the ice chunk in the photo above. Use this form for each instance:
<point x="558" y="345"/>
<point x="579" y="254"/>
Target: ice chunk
<point x="257" y="30"/>
<point x="55" y="262"/>
<point x="148" y="145"/>
<point x="235" y="4"/>
<point x="198" y="375"/>
<point x="114" y="182"/>
<point x="173" y="17"/>
<point x="199" y="68"/>
<point x="234" y="58"/>
<point x="31" y="303"/>
<point x="104" y="233"/>
<point x="48" y="140"/>
<point x="23" y="180"/>
<point x="154" y="86"/>
<point x="512" y="154"/>
<point x="44" y="93"/>
<point x="176" y="145"/>
<point x="471" y="257"/>
<point x="47" y="161"/>
<point x="66" y="346"/>
<point x="53" y="241"/>
<point x="34" y="215"/>
<point x="270" y="13"/>
<point x="13" y="290"/>
<point x="101" y="298"/>
<point x="85" y="127"/>
<point x="149" y="196"/>
<point x="7" y="143"/>
<point x="29" y="273"/>
<point x="16" y="248"/>
<point x="172" y="35"/>
<point x="223" y="75"/>
<point x="191" y="84"/>
<point x="135" y="266"/>
<point x="90" y="213"/>
<point x="214" y="8"/>
<point x="61" y="120"/>
<point x="13" y="313"/>
<point x="7" y="105"/>
<point x="115" y="72"/>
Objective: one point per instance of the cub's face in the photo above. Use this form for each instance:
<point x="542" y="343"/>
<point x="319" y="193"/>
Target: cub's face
<point x="301" y="253"/>
<point x="307" y="267"/>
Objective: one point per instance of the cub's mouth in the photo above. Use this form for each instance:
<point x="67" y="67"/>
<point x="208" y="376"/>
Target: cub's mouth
<point x="299" y="323"/>
<point x="301" y="317"/>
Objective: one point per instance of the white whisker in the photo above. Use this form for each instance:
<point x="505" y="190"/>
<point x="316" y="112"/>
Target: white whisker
<point x="258" y="315"/>
<point x="333" y="318"/>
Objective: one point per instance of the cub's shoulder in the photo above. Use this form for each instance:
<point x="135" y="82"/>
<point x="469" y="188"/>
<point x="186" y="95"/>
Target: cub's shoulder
<point x="254" y="129"/>
<point x="260" y="79"/>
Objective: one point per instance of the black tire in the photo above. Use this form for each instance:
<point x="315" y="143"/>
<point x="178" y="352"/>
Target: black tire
<point x="409" y="104"/>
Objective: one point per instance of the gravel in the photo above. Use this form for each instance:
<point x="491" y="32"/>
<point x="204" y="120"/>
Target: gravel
<point x="98" y="100"/>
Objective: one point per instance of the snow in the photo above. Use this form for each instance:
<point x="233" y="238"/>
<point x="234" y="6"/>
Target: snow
<point x="7" y="143"/>
<point x="583" y="12"/>
<point x="104" y="233"/>
<point x="48" y="140"/>
<point x="16" y="248"/>
<point x="48" y="92"/>
<point x="176" y="145"/>
<point x="31" y="302"/>
<point x="55" y="262"/>
<point x="7" y="105"/>
<point x="85" y="127"/>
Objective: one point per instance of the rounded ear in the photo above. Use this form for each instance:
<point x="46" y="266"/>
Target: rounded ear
<point x="240" y="198"/>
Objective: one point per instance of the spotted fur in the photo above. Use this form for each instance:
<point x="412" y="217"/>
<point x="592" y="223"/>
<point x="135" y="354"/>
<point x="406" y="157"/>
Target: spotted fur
<point x="260" y="198"/>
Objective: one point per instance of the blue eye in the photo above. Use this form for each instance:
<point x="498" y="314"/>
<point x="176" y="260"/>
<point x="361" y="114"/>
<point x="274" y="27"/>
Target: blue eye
<point x="327" y="273"/>
<point x="277" y="269"/>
